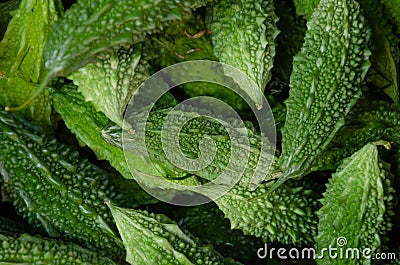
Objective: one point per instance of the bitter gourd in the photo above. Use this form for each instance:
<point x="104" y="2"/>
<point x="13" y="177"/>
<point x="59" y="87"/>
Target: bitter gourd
<point x="21" y="58"/>
<point x="88" y="124"/>
<point x="155" y="239"/>
<point x="110" y="83"/>
<point x="27" y="249"/>
<point x="5" y="14"/>
<point x="325" y="83"/>
<point x="89" y="28"/>
<point x="354" y="206"/>
<point x="243" y="35"/>
<point x="286" y="215"/>
<point x="190" y="136"/>
<point x="54" y="190"/>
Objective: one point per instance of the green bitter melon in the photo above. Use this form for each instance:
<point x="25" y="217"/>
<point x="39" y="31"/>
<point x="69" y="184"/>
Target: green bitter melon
<point x="325" y="83"/>
<point x="243" y="35"/>
<point x="27" y="249"/>
<point x="354" y="207"/>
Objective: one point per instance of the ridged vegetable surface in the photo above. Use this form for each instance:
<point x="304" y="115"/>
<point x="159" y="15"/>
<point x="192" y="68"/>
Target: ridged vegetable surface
<point x="155" y="239"/>
<point x="286" y="215"/>
<point x="243" y="35"/>
<point x="27" y="249"/>
<point x="163" y="123"/>
<point x="325" y="83"/>
<point x="354" y="206"/>
<point x="54" y="190"/>
<point x="110" y="83"/>
<point x="21" y="58"/>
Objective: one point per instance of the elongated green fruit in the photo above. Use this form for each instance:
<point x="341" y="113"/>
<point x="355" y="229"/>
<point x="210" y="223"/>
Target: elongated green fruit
<point x="55" y="190"/>
<point x="89" y="28"/>
<point x="354" y="206"/>
<point x="325" y="83"/>
<point x="110" y="83"/>
<point x="243" y="34"/>
<point x="21" y="58"/>
<point x="155" y="239"/>
<point x="27" y="249"/>
<point x="191" y="137"/>
<point x="286" y="215"/>
<point x="87" y="124"/>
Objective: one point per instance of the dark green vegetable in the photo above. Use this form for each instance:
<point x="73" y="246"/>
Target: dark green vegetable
<point x="55" y="190"/>
<point x="27" y="249"/>
<point x="369" y="121"/>
<point x="21" y="58"/>
<point x="191" y="134"/>
<point x="325" y="83"/>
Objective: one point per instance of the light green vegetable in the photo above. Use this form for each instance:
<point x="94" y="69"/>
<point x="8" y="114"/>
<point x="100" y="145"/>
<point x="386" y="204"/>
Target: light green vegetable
<point x="155" y="239"/>
<point x="354" y="206"/>
<point x="21" y="58"/>
<point x="325" y="83"/>
<point x="27" y="249"/>
<point x="243" y="34"/>
<point x="110" y="83"/>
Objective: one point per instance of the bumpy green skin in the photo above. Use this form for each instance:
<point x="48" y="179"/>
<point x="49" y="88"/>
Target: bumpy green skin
<point x="286" y="215"/>
<point x="354" y="206"/>
<point x="325" y="83"/>
<point x="87" y="124"/>
<point x="191" y="134"/>
<point x="305" y="7"/>
<point x="384" y="48"/>
<point x="369" y="121"/>
<point x="55" y="190"/>
<point x="155" y="239"/>
<point x="393" y="7"/>
<point x="207" y="223"/>
<point x="110" y="83"/>
<point x="89" y="28"/>
<point x="21" y="58"/>
<point x="243" y="34"/>
<point x="27" y="249"/>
